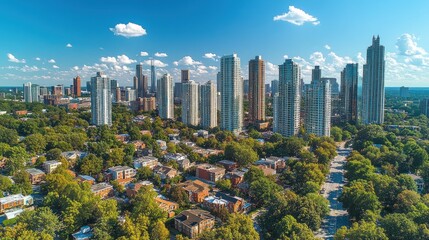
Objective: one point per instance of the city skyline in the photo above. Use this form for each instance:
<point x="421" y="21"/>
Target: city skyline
<point x="54" y="52"/>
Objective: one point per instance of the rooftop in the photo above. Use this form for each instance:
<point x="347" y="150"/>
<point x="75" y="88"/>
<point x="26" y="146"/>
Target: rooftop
<point x="11" y="198"/>
<point x="119" y="168"/>
<point x="100" y="186"/>
<point x="193" y="217"/>
<point x="34" y="171"/>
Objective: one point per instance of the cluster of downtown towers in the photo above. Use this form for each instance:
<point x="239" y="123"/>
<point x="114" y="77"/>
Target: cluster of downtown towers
<point x="201" y="102"/>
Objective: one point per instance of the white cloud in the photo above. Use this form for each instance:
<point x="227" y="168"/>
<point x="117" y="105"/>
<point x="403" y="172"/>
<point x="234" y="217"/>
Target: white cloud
<point x="55" y="66"/>
<point x="144" y="54"/>
<point x="296" y="16"/>
<point x="407" y="45"/>
<point x="317" y="58"/>
<point x="12" y="58"/>
<point x="124" y="59"/>
<point x="27" y="68"/>
<point x="69" y="45"/>
<point x="156" y="63"/>
<point x="128" y="30"/>
<point x="158" y="54"/>
<point x="51" y="61"/>
<point x="210" y="56"/>
<point x="108" y="59"/>
<point x="285" y="56"/>
<point x="75" y="68"/>
<point x="214" y="68"/>
<point x="37" y="59"/>
<point x="187" y="61"/>
<point x="327" y="47"/>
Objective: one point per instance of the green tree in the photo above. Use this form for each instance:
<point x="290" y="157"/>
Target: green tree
<point x="41" y="220"/>
<point x="159" y="232"/>
<point x="54" y="154"/>
<point x="289" y="228"/>
<point x="224" y="184"/>
<point x="398" y="226"/>
<point x="242" y="154"/>
<point x="337" y="134"/>
<point x="362" y="231"/>
<point x="303" y="177"/>
<point x="236" y="227"/>
<point x="90" y="165"/>
<point x="263" y="191"/>
<point x="144" y="204"/>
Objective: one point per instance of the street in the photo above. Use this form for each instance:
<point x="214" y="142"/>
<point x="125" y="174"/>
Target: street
<point x="331" y="190"/>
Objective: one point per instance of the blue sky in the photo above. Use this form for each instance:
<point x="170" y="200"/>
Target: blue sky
<point x="194" y="34"/>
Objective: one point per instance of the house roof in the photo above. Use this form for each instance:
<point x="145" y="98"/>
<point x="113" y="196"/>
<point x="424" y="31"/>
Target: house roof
<point x="34" y="171"/>
<point x="193" y="217"/>
<point x="100" y="186"/>
<point x="228" y="198"/>
<point x="194" y="186"/>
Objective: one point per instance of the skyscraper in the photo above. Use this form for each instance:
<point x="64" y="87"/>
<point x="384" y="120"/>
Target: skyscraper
<point x="316" y="73"/>
<point x="208" y="100"/>
<point x="35" y="93"/>
<point x="231" y="115"/>
<point x="76" y="86"/>
<point x="318" y="107"/>
<point x="404" y="92"/>
<point x="274" y="87"/>
<point x="288" y="100"/>
<point x="101" y="100"/>
<point x="113" y="85"/>
<point x="141" y="81"/>
<point x="190" y="113"/>
<point x="373" y="84"/>
<point x="27" y="92"/>
<point x="424" y="107"/>
<point x="165" y="96"/>
<point x="186" y="76"/>
<point x="152" y="77"/>
<point x="256" y="90"/>
<point x="349" y="92"/>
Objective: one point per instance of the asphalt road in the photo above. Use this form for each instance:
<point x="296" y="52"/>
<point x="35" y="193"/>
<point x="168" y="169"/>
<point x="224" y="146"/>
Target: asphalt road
<point x="332" y="189"/>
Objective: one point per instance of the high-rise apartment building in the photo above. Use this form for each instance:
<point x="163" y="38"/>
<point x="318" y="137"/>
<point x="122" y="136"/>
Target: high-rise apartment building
<point x="208" y="105"/>
<point x="256" y="90"/>
<point x="35" y="93"/>
<point x="349" y="92"/>
<point x="231" y="115"/>
<point x="27" y="92"/>
<point x="130" y="94"/>
<point x="190" y="103"/>
<point x="404" y="92"/>
<point x="318" y="108"/>
<point x="287" y="102"/>
<point x="141" y="81"/>
<point x="76" y="86"/>
<point x="274" y="87"/>
<point x="424" y="107"/>
<point x="373" y="84"/>
<point x="186" y="76"/>
<point x="165" y="97"/>
<point x="316" y="73"/>
<point x="101" y="100"/>
<point x="152" y="77"/>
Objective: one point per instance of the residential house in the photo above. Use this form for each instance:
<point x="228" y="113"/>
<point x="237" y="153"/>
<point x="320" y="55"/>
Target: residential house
<point x="167" y="206"/>
<point x="86" y="178"/>
<point x="122" y="173"/>
<point x="50" y="166"/>
<point x="236" y="177"/>
<point x="138" y="145"/>
<point x="146" y="161"/>
<point x="419" y="182"/>
<point x="272" y="162"/>
<point x="165" y="172"/>
<point x="133" y="188"/>
<point x="196" y="190"/>
<point x="73" y="155"/>
<point x="162" y="144"/>
<point x="85" y="233"/>
<point x="234" y="204"/>
<point x="180" y="158"/>
<point x="267" y="170"/>
<point x="103" y="190"/>
<point x="15" y="201"/>
<point x="36" y="175"/>
<point x="209" y="172"/>
<point x="194" y="222"/>
<point x="228" y="165"/>
<point x="122" y="137"/>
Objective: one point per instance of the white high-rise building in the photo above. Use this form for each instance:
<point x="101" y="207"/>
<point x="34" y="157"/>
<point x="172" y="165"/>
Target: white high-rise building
<point x="190" y="113"/>
<point x="373" y="84"/>
<point x="231" y="87"/>
<point x="130" y="94"/>
<point x="208" y="105"/>
<point x="101" y="100"/>
<point x="288" y="100"/>
<point x="27" y="92"/>
<point x="318" y="108"/>
<point x="165" y="97"/>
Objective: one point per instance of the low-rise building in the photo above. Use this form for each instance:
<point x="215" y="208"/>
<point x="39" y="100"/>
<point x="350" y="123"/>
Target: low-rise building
<point x="122" y="172"/>
<point x="36" y="175"/>
<point x="236" y="177"/>
<point x="85" y="233"/>
<point x="194" y="222"/>
<point x="15" y="201"/>
<point x="50" y="166"/>
<point x="146" y="161"/>
<point x="162" y="144"/>
<point x="196" y="190"/>
<point x="133" y="188"/>
<point x="267" y="170"/>
<point x="419" y="182"/>
<point x="167" y="206"/>
<point x="73" y="155"/>
<point x="86" y="178"/>
<point x="209" y="172"/>
<point x="103" y="190"/>
<point x="181" y="159"/>
<point x="165" y="172"/>
<point x="272" y="162"/>
<point x="234" y="204"/>
<point x="122" y="137"/>
<point x="228" y="165"/>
